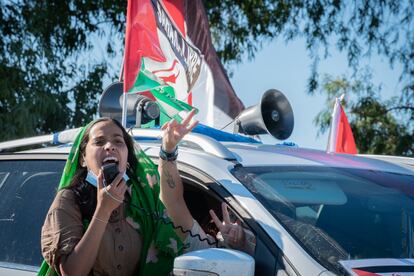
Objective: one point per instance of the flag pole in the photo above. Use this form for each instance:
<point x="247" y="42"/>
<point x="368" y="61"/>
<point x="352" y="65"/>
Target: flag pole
<point x="333" y="131"/>
<point x="124" y="94"/>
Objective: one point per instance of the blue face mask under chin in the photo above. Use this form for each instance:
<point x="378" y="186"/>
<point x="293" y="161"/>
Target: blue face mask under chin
<point x="92" y="179"/>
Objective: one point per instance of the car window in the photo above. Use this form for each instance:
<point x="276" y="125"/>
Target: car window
<point x="339" y="214"/>
<point x="201" y="200"/>
<point x="27" y="188"/>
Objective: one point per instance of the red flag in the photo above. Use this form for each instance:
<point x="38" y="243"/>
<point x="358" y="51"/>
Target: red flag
<point x="341" y="139"/>
<point x="171" y="41"/>
<point x="360" y="272"/>
<point x="140" y="39"/>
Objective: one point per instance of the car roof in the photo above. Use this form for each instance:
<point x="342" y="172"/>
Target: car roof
<point x="253" y="153"/>
<point x="268" y="155"/>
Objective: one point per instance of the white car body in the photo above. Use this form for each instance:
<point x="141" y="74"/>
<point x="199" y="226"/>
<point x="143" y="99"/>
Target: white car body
<point x="210" y="161"/>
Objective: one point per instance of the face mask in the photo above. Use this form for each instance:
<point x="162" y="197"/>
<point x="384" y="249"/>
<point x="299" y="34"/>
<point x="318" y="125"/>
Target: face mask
<point x="92" y="179"/>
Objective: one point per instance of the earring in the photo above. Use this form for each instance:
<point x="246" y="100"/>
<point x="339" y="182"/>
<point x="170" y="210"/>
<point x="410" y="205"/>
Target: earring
<point x="128" y="166"/>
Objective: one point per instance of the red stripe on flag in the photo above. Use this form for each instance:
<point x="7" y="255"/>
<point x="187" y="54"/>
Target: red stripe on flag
<point x="190" y="98"/>
<point x="345" y="142"/>
<point x="141" y="39"/>
<point x="175" y="9"/>
<point x="363" y="273"/>
<point x="171" y="78"/>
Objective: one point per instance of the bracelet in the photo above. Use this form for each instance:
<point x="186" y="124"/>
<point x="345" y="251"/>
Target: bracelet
<point x="101" y="220"/>
<point x="168" y="156"/>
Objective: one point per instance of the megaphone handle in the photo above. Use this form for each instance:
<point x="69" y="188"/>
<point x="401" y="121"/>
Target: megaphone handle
<point x="237" y="127"/>
<point x="138" y="115"/>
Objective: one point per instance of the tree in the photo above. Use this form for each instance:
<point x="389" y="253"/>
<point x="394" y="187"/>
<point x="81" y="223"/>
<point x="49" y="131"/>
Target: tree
<point x="46" y="69"/>
<point x="47" y="80"/>
<point x="378" y="126"/>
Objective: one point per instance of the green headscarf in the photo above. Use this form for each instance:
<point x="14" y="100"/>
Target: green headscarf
<point x="145" y="213"/>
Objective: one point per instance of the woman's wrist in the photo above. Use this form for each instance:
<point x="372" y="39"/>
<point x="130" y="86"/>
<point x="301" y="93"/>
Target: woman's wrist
<point x="100" y="220"/>
<point x="169" y="148"/>
<point x="168" y="154"/>
<point x="102" y="213"/>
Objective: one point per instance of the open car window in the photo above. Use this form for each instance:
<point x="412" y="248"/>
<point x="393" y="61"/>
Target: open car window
<point x="200" y="199"/>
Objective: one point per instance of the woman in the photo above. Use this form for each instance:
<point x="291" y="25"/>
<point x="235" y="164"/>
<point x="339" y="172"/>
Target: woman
<point x="105" y="230"/>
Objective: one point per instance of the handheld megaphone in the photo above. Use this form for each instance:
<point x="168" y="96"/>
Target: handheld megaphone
<point x="140" y="109"/>
<point x="272" y="115"/>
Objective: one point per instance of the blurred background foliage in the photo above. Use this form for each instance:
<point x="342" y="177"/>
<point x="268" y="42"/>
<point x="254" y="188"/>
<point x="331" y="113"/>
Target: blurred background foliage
<point x="55" y="56"/>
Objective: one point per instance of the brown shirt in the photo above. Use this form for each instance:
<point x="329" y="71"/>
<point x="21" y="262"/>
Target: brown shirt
<point x="120" y="248"/>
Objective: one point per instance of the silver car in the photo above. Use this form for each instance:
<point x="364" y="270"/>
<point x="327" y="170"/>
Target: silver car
<point x="311" y="213"/>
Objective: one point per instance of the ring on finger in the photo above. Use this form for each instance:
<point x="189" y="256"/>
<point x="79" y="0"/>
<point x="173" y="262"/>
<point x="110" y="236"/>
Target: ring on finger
<point x="111" y="196"/>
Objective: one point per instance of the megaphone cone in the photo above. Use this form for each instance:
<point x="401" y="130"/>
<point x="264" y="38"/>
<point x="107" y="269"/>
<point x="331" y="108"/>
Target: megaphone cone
<point x="140" y="109"/>
<point x="273" y="115"/>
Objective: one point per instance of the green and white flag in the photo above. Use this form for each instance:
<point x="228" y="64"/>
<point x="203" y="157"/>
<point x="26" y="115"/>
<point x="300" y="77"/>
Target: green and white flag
<point x="164" y="95"/>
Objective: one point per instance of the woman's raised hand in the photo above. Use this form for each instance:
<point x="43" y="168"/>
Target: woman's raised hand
<point x="233" y="233"/>
<point x="174" y="131"/>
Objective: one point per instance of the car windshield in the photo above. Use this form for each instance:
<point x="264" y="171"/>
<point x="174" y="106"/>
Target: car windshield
<point x="338" y="214"/>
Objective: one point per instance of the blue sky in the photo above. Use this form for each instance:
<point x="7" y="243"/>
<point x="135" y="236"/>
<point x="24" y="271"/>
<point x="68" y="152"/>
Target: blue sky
<point x="286" y="67"/>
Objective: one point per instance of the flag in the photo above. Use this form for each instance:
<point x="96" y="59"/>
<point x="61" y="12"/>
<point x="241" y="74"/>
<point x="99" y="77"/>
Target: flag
<point x="341" y="139"/>
<point x="171" y="41"/>
<point x="146" y="83"/>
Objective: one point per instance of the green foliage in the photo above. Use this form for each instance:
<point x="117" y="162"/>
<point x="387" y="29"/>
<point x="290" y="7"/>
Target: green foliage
<point x="46" y="82"/>
<point x="379" y="127"/>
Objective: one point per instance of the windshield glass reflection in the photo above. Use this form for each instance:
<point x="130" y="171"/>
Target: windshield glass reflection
<point x="338" y="214"/>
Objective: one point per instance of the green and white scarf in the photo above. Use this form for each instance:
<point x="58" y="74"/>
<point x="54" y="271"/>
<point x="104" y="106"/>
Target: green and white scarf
<point x="160" y="242"/>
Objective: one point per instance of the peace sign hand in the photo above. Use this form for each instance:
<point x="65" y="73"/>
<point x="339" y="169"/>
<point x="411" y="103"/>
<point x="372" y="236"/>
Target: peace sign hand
<point x="233" y="233"/>
<point x="174" y="131"/>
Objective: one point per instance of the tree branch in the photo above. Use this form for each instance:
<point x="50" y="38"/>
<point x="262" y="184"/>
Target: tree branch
<point x="404" y="107"/>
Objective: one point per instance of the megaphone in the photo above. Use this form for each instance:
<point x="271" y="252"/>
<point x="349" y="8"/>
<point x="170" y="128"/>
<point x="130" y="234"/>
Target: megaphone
<point x="272" y="115"/>
<point x="140" y="109"/>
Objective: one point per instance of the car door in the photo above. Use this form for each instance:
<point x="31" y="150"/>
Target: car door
<point x="202" y="193"/>
<point x="269" y="258"/>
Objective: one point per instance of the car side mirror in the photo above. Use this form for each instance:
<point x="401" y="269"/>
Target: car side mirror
<point x="214" y="261"/>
